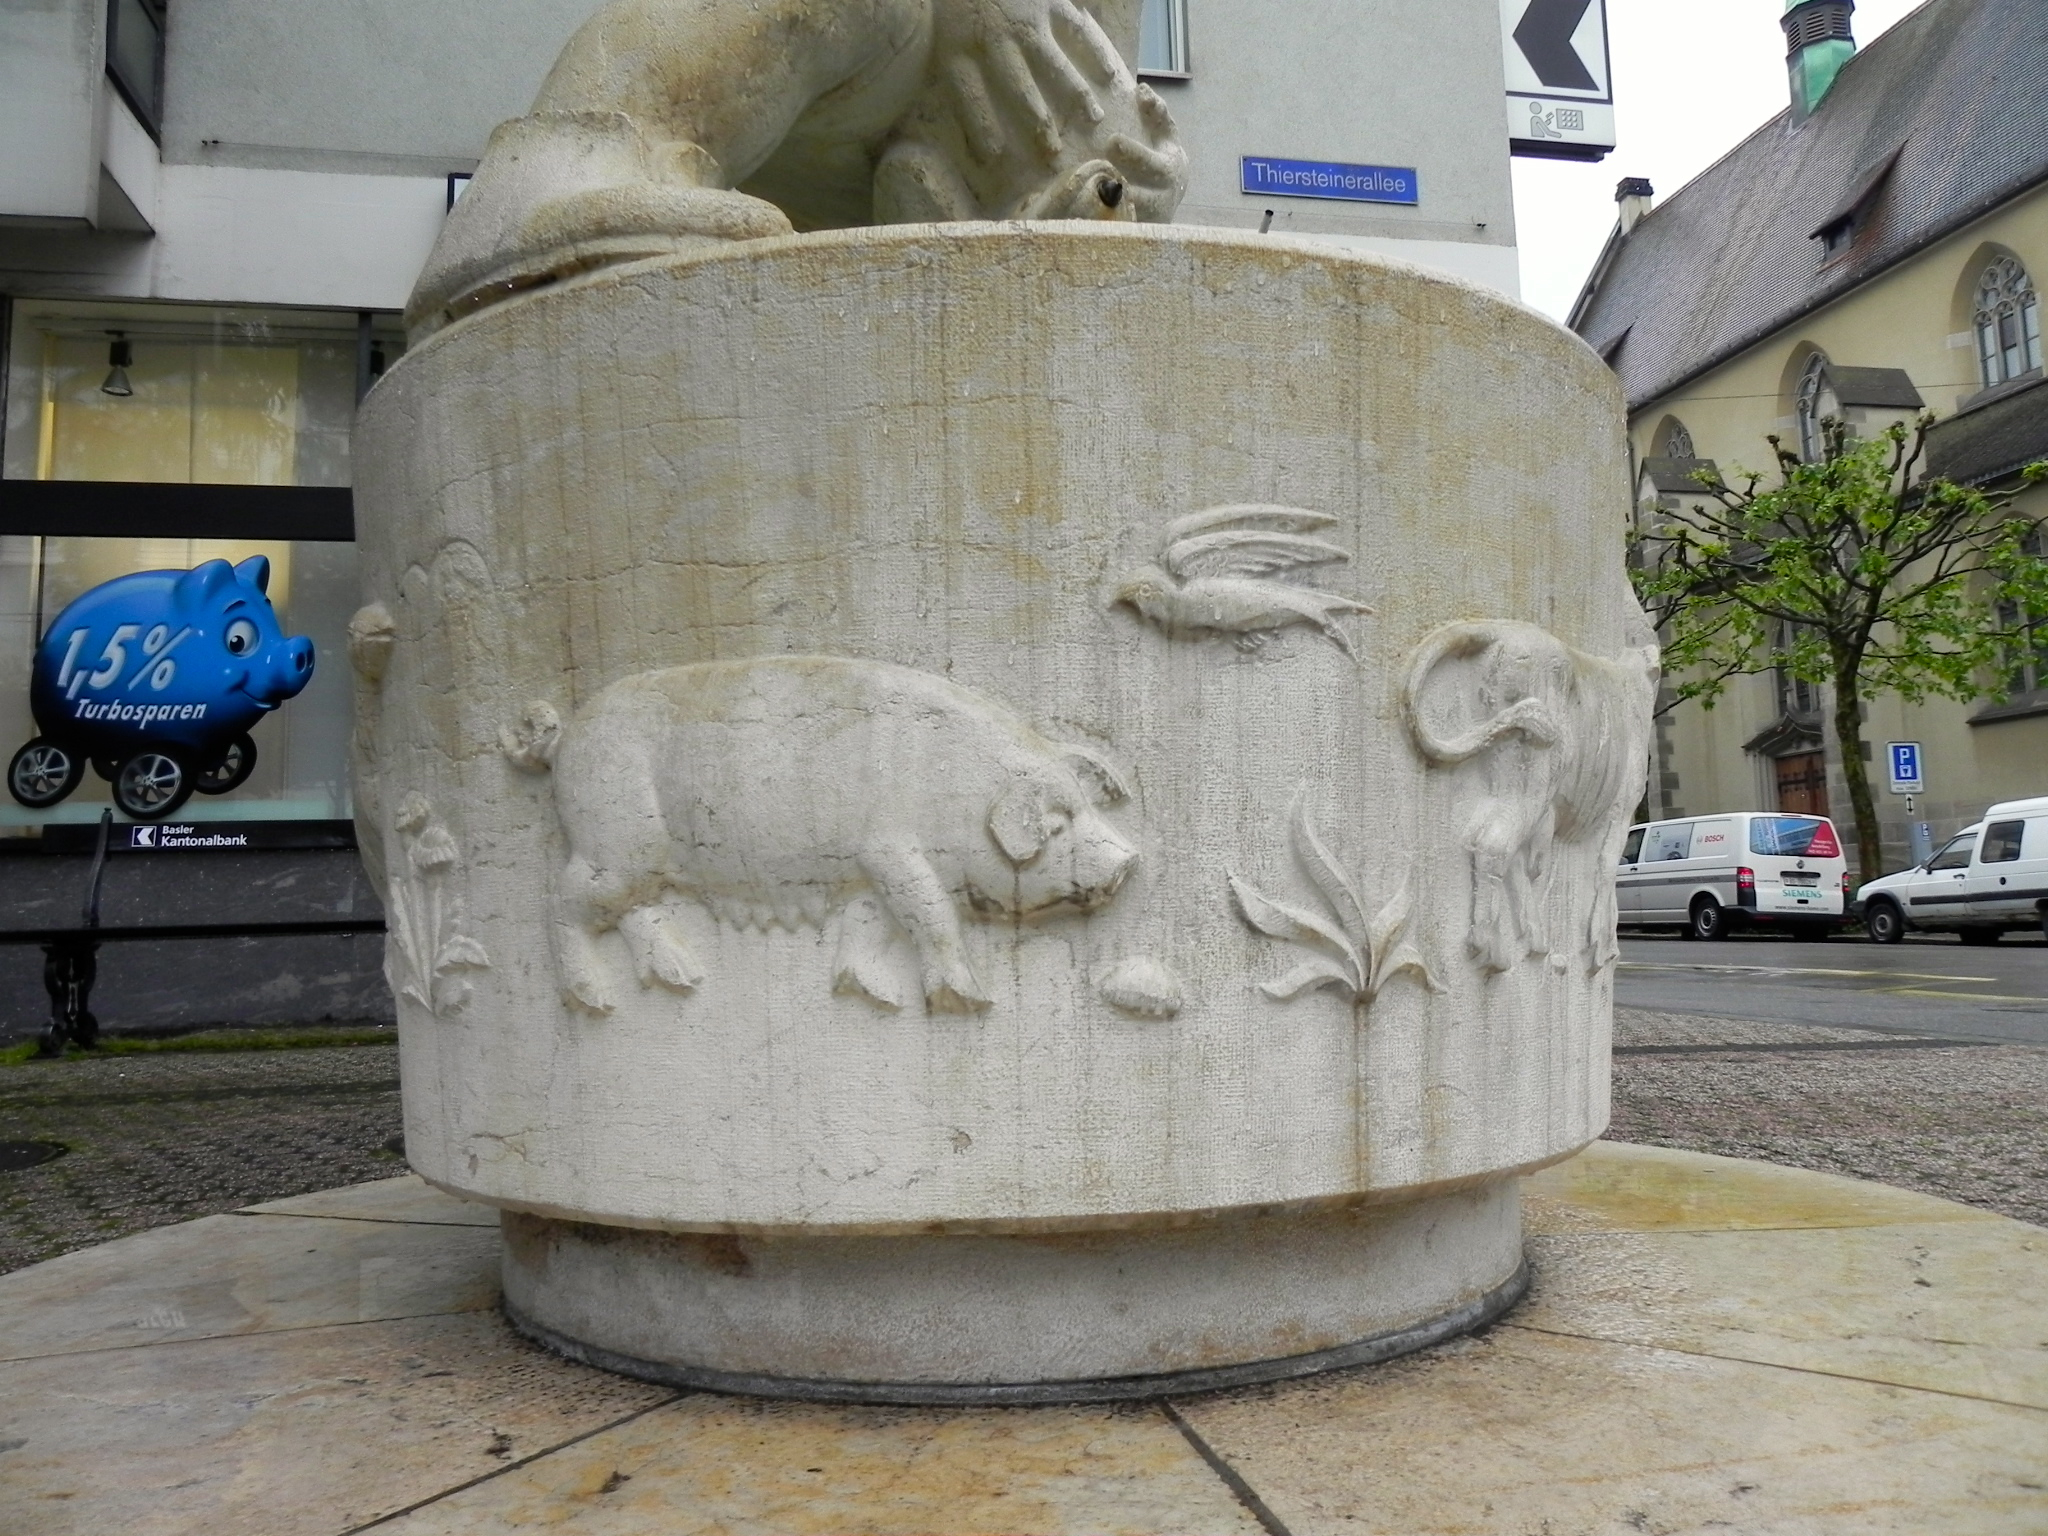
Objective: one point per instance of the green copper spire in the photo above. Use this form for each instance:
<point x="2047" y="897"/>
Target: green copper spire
<point x="1818" y="42"/>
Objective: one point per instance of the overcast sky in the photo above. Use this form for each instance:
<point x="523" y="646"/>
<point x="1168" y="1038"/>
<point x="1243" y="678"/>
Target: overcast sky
<point x="1692" y="79"/>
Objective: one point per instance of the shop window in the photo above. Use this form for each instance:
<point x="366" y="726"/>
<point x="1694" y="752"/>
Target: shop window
<point x="135" y="56"/>
<point x="1163" y="38"/>
<point x="2007" y="321"/>
<point x="159" y="416"/>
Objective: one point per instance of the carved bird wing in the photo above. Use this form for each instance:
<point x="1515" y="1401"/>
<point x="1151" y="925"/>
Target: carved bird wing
<point x="1246" y="539"/>
<point x="1249" y="515"/>
<point x="1246" y="552"/>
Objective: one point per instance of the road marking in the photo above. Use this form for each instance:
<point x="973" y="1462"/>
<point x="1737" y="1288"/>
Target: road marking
<point x="1786" y="970"/>
<point x="1975" y="997"/>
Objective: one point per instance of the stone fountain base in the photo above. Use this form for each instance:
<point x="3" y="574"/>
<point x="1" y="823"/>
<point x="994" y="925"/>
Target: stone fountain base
<point x="1019" y="1318"/>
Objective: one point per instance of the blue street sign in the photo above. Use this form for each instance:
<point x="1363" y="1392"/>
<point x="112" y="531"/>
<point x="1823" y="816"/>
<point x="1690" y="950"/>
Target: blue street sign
<point x="1262" y="176"/>
<point x="1904" y="760"/>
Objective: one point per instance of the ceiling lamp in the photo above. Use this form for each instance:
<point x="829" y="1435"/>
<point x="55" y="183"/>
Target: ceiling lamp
<point x="119" y="356"/>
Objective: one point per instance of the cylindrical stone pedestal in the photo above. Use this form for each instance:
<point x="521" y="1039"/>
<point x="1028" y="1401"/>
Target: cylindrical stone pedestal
<point x="1010" y="811"/>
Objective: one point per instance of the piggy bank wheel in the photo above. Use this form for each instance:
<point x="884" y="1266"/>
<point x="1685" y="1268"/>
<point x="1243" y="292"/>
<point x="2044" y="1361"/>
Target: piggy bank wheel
<point x="43" y="773"/>
<point x="152" y="784"/>
<point x="230" y="771"/>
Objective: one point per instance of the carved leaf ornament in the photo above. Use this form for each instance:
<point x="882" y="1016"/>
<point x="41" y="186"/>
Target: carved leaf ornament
<point x="1355" y="950"/>
<point x="428" y="950"/>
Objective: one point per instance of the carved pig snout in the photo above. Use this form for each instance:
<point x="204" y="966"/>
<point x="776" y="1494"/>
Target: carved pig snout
<point x="1067" y="855"/>
<point x="1102" y="859"/>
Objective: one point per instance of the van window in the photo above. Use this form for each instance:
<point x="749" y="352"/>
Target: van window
<point x="2002" y="842"/>
<point x="1955" y="854"/>
<point x="1633" y="846"/>
<point x="1670" y="841"/>
<point x="1713" y="840"/>
<point x="1790" y="837"/>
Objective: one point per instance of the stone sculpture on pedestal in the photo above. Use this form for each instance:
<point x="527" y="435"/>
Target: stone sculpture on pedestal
<point x="971" y="810"/>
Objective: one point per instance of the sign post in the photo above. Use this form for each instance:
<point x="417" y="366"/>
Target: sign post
<point x="1903" y="771"/>
<point x="1560" y="85"/>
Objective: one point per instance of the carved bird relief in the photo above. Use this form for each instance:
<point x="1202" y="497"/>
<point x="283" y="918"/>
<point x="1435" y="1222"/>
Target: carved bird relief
<point x="1220" y="571"/>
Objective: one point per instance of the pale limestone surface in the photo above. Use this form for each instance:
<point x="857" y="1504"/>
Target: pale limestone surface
<point x="1001" y="728"/>
<point x="672" y="124"/>
<point x="1616" y="1400"/>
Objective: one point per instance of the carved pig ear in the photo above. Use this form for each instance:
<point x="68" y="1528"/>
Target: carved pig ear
<point x="205" y="585"/>
<point x="256" y="569"/>
<point x="1019" y="822"/>
<point x="1106" y="786"/>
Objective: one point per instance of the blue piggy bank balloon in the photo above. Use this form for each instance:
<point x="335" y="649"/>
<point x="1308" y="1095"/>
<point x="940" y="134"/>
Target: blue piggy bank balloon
<point x="155" y="679"/>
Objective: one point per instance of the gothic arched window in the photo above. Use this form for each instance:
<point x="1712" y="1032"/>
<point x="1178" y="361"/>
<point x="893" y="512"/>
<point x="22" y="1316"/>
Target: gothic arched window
<point x="2008" y="321"/>
<point x="1813" y="404"/>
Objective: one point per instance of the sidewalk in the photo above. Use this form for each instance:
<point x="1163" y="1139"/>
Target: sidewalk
<point x="1711" y="1345"/>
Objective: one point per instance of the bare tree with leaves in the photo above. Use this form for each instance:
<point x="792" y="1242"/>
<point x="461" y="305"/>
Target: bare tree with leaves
<point x="1851" y="571"/>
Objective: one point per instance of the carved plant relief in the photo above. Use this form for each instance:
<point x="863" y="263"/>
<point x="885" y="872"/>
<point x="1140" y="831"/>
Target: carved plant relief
<point x="790" y="791"/>
<point x="427" y="949"/>
<point x="1222" y="571"/>
<point x="1354" y="948"/>
<point x="1559" y="742"/>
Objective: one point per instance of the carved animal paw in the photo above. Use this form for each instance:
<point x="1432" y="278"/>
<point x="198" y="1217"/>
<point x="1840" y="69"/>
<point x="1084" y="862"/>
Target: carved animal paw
<point x="865" y="965"/>
<point x="659" y="953"/>
<point x="961" y="995"/>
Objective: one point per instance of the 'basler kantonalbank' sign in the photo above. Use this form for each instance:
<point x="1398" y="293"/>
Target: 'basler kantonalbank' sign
<point x="1263" y="176"/>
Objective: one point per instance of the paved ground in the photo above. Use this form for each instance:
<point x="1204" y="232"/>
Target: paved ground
<point x="1931" y="985"/>
<point x="1965" y="1121"/>
<point x="167" y="1137"/>
<point x="1710" y="1346"/>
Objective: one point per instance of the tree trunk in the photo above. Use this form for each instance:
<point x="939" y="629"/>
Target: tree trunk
<point x="1856" y="772"/>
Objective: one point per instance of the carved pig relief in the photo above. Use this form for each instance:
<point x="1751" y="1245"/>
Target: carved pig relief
<point x="792" y="790"/>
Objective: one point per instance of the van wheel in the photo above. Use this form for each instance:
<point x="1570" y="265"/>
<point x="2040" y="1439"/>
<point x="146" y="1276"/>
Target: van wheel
<point x="1887" y="925"/>
<point x="1980" y="935"/>
<point x="1709" y="919"/>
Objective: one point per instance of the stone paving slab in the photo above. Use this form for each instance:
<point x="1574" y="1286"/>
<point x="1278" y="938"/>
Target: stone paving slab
<point x="1712" y="1345"/>
<point x="242" y="1274"/>
<point x="710" y="1464"/>
<point x="408" y="1198"/>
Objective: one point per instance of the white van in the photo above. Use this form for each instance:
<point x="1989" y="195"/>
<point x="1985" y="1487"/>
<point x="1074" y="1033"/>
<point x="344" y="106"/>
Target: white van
<point x="1708" y="874"/>
<point x="1984" y="880"/>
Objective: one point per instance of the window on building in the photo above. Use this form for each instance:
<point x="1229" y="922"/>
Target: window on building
<point x="2026" y="654"/>
<point x="131" y="403"/>
<point x="135" y="56"/>
<point x="1797" y="698"/>
<point x="1163" y="37"/>
<point x="1813" y="404"/>
<point x="2008" y="322"/>
<point x="1677" y="441"/>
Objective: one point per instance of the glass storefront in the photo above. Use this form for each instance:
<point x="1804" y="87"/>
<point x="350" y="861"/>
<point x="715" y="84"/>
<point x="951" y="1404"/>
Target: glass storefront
<point x="157" y="396"/>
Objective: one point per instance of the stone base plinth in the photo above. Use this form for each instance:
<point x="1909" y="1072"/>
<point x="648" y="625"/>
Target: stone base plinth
<point x="989" y="1318"/>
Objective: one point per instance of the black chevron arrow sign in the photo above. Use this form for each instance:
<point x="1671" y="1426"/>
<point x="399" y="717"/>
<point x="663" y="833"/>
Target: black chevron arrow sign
<point x="1544" y="35"/>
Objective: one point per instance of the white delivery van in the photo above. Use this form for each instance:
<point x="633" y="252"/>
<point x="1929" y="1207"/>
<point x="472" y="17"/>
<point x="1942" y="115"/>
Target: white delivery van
<point x="1984" y="880"/>
<point x="1709" y="874"/>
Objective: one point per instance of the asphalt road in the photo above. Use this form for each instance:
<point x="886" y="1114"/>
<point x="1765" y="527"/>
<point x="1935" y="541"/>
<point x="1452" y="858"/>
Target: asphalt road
<point x="1930" y="985"/>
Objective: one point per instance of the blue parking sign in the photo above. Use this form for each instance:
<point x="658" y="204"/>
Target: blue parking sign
<point x="1904" y="758"/>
